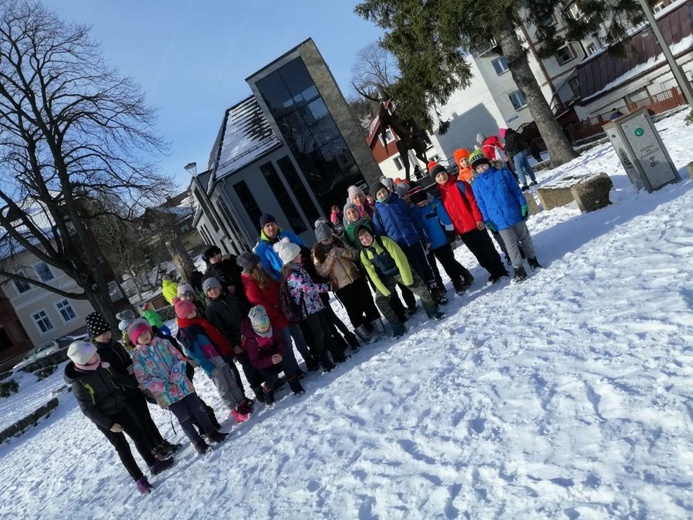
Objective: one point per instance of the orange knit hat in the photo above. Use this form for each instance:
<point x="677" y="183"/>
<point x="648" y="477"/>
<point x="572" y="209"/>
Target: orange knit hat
<point x="462" y="153"/>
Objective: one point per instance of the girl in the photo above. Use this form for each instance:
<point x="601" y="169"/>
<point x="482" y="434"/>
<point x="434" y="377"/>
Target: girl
<point x="160" y="368"/>
<point x="102" y="395"/>
<point x="306" y="294"/>
<point x="265" y="348"/>
<point x="200" y="343"/>
<point x="338" y="263"/>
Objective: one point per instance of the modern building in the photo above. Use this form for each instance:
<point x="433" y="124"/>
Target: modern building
<point x="291" y="149"/>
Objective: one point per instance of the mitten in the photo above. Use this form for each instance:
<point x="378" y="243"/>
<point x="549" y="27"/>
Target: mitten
<point x="525" y="211"/>
<point x="491" y="226"/>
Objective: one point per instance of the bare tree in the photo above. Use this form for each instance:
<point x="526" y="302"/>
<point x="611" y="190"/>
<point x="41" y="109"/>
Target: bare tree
<point x="72" y="130"/>
<point x="375" y="71"/>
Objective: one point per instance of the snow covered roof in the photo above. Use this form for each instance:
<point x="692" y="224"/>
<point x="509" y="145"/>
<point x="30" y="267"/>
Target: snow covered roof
<point x="604" y="72"/>
<point x="39" y="216"/>
<point x="244" y="136"/>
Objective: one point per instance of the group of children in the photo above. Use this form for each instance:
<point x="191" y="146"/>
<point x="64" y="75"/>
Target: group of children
<point x="256" y="308"/>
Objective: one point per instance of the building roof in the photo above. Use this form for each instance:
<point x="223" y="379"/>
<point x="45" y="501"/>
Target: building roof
<point x="245" y="135"/>
<point x="604" y="72"/>
<point x="374" y="127"/>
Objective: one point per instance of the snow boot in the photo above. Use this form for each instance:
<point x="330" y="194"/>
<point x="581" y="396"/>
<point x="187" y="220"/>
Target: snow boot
<point x="245" y="406"/>
<point x="161" y="465"/>
<point x="212" y="417"/>
<point x="363" y="334"/>
<point x="520" y="274"/>
<point x="241" y="417"/>
<point x="434" y="313"/>
<point x="201" y="447"/>
<point x="412" y="310"/>
<point x="459" y="286"/>
<point x="296" y="387"/>
<point x="217" y="436"/>
<point x="498" y="275"/>
<point x="533" y="263"/>
<point x="398" y="330"/>
<point x="525" y="187"/>
<point x="379" y="329"/>
<point x="259" y="394"/>
<point x="468" y="279"/>
<point x="143" y="486"/>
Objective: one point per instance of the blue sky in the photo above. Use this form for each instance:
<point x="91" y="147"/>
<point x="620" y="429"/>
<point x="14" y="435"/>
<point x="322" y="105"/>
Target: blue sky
<point x="191" y="57"/>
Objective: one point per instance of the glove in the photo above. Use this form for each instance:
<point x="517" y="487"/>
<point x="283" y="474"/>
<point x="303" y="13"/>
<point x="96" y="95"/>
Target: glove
<point x="525" y="212"/>
<point x="491" y="226"/>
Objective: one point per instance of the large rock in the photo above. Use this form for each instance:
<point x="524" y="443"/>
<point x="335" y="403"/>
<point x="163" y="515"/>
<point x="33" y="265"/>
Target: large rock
<point x="690" y="170"/>
<point x="531" y="203"/>
<point x="593" y="193"/>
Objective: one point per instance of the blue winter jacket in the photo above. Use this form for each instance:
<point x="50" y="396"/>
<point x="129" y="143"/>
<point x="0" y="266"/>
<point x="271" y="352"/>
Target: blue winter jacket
<point x="192" y="338"/>
<point x="433" y="217"/>
<point x="499" y="197"/>
<point x="268" y="256"/>
<point x="396" y="220"/>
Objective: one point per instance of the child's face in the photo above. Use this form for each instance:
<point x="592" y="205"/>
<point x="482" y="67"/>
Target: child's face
<point x="187" y="296"/>
<point x="94" y="359"/>
<point x="326" y="242"/>
<point x="298" y="259"/>
<point x="104" y="337"/>
<point x="464" y="162"/>
<point x="352" y="214"/>
<point x="365" y="239"/>
<point x="214" y="292"/>
<point x="381" y="194"/>
<point x="192" y="315"/>
<point x="441" y="177"/>
<point x="482" y="168"/>
<point x="358" y="199"/>
<point x="145" y="338"/>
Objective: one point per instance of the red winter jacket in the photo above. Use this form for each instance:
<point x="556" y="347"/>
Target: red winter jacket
<point x="217" y="338"/>
<point x="267" y="297"/>
<point x="489" y="147"/>
<point x="462" y="208"/>
<point x="260" y="349"/>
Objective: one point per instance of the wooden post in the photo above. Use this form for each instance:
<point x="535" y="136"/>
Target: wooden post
<point x="180" y="258"/>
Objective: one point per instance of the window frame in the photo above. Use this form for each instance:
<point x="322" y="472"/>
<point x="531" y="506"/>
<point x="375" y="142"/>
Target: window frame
<point x="38" y="273"/>
<point x="389" y="134"/>
<point x="397" y="159"/>
<point x="571" y="50"/>
<point x="46" y="317"/>
<point x="500" y="60"/>
<point x="65" y="305"/>
<point x="16" y="283"/>
<point x="521" y="107"/>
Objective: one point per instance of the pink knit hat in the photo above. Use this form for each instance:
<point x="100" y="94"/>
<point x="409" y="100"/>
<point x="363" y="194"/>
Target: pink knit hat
<point x="502" y="132"/>
<point x="137" y="328"/>
<point x="183" y="307"/>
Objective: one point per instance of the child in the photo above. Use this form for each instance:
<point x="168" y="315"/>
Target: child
<point x="504" y="209"/>
<point x="154" y="319"/>
<point x="201" y="343"/>
<point x="338" y="263"/>
<point x="433" y="217"/>
<point x="458" y="199"/>
<point x="465" y="171"/>
<point x="306" y="293"/>
<point x="102" y="395"/>
<point x="188" y="293"/>
<point x="266" y="348"/>
<point x="160" y="368"/>
<point x="386" y="265"/>
<point x="516" y="147"/>
<point x="357" y="197"/>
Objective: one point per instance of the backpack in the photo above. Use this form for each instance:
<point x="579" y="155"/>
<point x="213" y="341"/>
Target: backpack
<point x="383" y="262"/>
<point x="292" y="309"/>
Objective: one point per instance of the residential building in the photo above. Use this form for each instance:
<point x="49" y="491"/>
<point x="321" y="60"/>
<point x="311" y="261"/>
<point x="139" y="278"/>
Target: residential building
<point x="14" y="340"/>
<point x="290" y="149"/>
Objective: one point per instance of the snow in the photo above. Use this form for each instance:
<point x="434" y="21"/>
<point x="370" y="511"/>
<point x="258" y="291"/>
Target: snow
<point x="566" y="396"/>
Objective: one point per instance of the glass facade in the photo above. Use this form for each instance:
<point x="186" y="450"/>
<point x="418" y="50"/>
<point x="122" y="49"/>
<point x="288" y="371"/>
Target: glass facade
<point x="310" y="132"/>
<point x="249" y="203"/>
<point x="296" y="223"/>
<point x="300" y="192"/>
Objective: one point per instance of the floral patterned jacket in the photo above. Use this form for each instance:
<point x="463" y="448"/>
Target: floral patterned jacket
<point x="301" y="284"/>
<point x="160" y="368"/>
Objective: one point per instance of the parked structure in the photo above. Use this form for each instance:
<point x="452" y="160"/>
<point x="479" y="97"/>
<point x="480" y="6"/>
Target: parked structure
<point x="291" y="149"/>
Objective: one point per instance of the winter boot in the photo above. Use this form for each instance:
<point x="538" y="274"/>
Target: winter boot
<point x="434" y="313"/>
<point x="533" y="263"/>
<point x="160" y="465"/>
<point x="498" y="275"/>
<point x="217" y="436"/>
<point x="171" y="448"/>
<point x="520" y="274"/>
<point x="412" y="310"/>
<point x="143" y="486"/>
<point x="296" y="387"/>
<point x="211" y="415"/>
<point x="243" y="417"/>
<point x="352" y="340"/>
<point x="312" y="365"/>
<point x="525" y="187"/>
<point x="366" y="337"/>
<point x="259" y="394"/>
<point x="201" y="447"/>
<point x="459" y="286"/>
<point x="245" y="406"/>
<point x="468" y="279"/>
<point x="379" y="329"/>
<point x="398" y="330"/>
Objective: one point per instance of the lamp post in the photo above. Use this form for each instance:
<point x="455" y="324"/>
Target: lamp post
<point x="680" y="77"/>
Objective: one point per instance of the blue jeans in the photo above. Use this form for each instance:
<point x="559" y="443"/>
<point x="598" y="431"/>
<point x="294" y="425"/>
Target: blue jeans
<point x="522" y="167"/>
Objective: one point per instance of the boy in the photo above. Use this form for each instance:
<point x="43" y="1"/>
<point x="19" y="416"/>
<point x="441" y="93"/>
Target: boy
<point x="386" y="265"/>
<point x="504" y="209"/>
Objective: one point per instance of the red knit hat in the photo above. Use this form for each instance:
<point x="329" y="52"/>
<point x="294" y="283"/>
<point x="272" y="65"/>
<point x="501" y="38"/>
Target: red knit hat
<point x="183" y="308"/>
<point x="431" y="165"/>
<point x="137" y="328"/>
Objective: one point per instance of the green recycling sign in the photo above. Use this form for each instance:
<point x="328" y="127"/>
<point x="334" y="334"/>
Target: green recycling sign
<point x="639" y="132"/>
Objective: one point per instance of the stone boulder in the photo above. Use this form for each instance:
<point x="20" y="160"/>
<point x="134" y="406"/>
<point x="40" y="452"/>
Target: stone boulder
<point x="593" y="193"/>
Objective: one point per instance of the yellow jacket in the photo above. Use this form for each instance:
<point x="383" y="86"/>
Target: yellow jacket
<point x="169" y="289"/>
<point x="367" y="254"/>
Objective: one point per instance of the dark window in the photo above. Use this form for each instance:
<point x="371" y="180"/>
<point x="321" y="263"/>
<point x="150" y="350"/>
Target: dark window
<point x="282" y="196"/>
<point x="565" y="54"/>
<point x="249" y="202"/>
<point x="232" y="222"/>
<point x="310" y="131"/>
<point x="299" y="189"/>
<point x="202" y="199"/>
<point x="5" y="341"/>
<point x="21" y="286"/>
<point x="500" y="65"/>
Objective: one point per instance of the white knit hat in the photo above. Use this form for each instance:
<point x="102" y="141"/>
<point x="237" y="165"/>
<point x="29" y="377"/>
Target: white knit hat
<point x="81" y="352"/>
<point x="287" y="251"/>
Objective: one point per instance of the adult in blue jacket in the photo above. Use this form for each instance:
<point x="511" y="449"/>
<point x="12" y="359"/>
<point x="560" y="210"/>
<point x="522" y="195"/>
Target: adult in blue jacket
<point x="504" y="209"/>
<point x="433" y="217"/>
<point x="393" y="217"/>
<point x="270" y="234"/>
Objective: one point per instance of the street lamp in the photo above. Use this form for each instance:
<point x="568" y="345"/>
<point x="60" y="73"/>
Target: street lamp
<point x="191" y="168"/>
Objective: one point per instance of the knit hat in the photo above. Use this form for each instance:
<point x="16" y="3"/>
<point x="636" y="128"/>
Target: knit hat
<point x="377" y="186"/>
<point x="259" y="319"/>
<point x="183" y="308"/>
<point x="346" y="207"/>
<point x="401" y="189"/>
<point x="417" y="194"/>
<point x="323" y="232"/>
<point x="184" y="288"/>
<point x="210" y="283"/>
<point x="477" y="158"/>
<point x="124" y="324"/>
<point x="431" y="165"/>
<point x="438" y="168"/>
<point x="247" y="261"/>
<point x="353" y="191"/>
<point x="459" y="154"/>
<point x="286" y="251"/>
<point x="388" y="183"/>
<point x="81" y="352"/>
<point x="502" y="132"/>
<point x="126" y="315"/>
<point x="137" y="328"/>
<point x="265" y="219"/>
<point x="480" y="138"/>
<point x="96" y="325"/>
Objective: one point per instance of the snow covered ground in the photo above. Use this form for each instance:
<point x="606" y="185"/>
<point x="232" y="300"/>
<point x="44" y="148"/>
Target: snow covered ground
<point x="566" y="396"/>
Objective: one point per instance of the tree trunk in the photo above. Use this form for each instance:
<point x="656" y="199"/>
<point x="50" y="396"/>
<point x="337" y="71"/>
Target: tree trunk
<point x="557" y="144"/>
<point x="96" y="290"/>
<point x="181" y="258"/>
